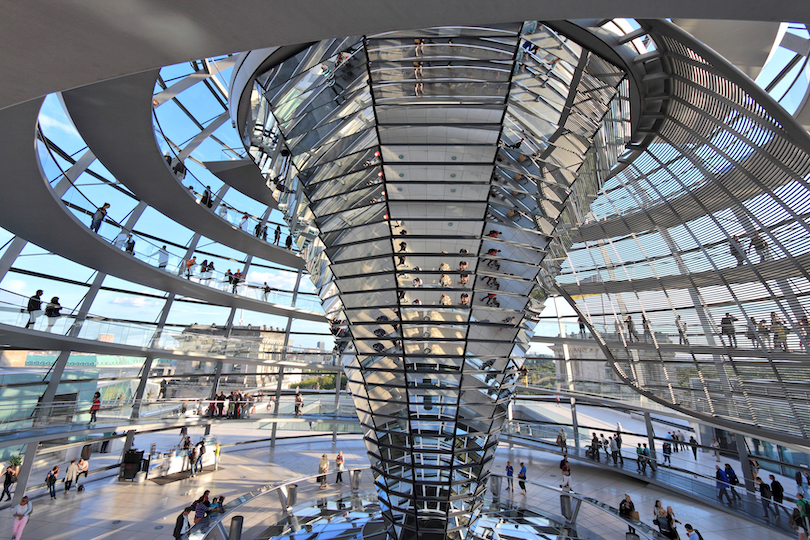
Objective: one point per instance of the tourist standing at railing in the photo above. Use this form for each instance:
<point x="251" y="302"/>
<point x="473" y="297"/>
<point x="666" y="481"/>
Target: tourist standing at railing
<point x="198" y="464"/>
<point x="666" y="449"/>
<point x="631" y="329"/>
<point x="190" y="264"/>
<point x="277" y="234"/>
<point x="221" y="403"/>
<point x="50" y="481"/>
<point x="561" y="441"/>
<point x="265" y="291"/>
<point x="760" y="245"/>
<point x="731" y="476"/>
<point x="765" y="496"/>
<point x="98" y="217"/>
<point x="299" y="403"/>
<point x="727" y="329"/>
<point x="681" y="325"/>
<point x="52" y="312"/>
<point x="778" y="493"/>
<point x="802" y="505"/>
<point x="715" y="449"/>
<point x="627" y="510"/>
<point x="129" y="245"/>
<point x="722" y="484"/>
<point x="95" y="407"/>
<point x="510" y="473"/>
<point x="736" y="248"/>
<point x="618" y="439"/>
<point x="647" y="327"/>
<point x="522" y="478"/>
<point x="207" y="197"/>
<point x="163" y="258"/>
<point x="323" y="470"/>
<point x="21" y="514"/>
<point x="34" y="308"/>
<point x="614" y="450"/>
<point x="339" y="460"/>
<point x="565" y="470"/>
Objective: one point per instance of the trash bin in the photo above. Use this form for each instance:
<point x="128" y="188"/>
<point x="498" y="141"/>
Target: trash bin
<point x="356" y="477"/>
<point x="292" y="495"/>
<point x="140" y="477"/>
<point x="495" y="485"/>
<point x="565" y="506"/>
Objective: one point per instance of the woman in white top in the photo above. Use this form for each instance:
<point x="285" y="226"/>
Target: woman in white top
<point x="21" y="514"/>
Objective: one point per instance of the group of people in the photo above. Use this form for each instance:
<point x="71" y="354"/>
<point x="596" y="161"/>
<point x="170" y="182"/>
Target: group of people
<point x="762" y="334"/>
<point x="197" y="511"/>
<point x="194" y="454"/>
<point x="34" y="310"/>
<point x="757" y="243"/>
<point x="612" y="446"/>
<point x="234" y="405"/>
<point x="323" y="470"/>
<point x="522" y="476"/>
<point x="73" y="472"/>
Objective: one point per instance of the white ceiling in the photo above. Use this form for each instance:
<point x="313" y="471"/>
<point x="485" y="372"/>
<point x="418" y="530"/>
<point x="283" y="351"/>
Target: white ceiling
<point x="51" y="45"/>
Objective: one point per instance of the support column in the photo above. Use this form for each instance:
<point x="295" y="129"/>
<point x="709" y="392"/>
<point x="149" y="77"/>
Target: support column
<point x="338" y="381"/>
<point x="84" y="309"/>
<point x="12" y="252"/>
<point x="127" y="444"/>
<point x="745" y="463"/>
<point x="218" y="369"/>
<point x="138" y="397"/>
<point x="650" y="436"/>
<point x="57" y="369"/>
<point x="575" y="422"/>
<point x="277" y="405"/>
<point x="25" y="471"/>
<point x="164" y="314"/>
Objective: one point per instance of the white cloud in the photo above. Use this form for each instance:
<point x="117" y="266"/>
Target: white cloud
<point x="50" y="123"/>
<point x="277" y="280"/>
<point x="16" y="285"/>
<point x="134" y="302"/>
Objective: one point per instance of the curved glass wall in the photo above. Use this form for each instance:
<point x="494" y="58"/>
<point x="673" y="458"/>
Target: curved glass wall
<point x="689" y="264"/>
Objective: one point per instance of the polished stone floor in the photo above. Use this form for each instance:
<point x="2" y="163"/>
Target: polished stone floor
<point x="108" y="510"/>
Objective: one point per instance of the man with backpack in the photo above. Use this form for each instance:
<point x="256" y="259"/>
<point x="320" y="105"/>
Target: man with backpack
<point x="722" y="484"/>
<point x="692" y="534"/>
<point x="641" y="463"/>
<point x="765" y="496"/>
<point x="798" y="520"/>
<point x="732" y="481"/>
